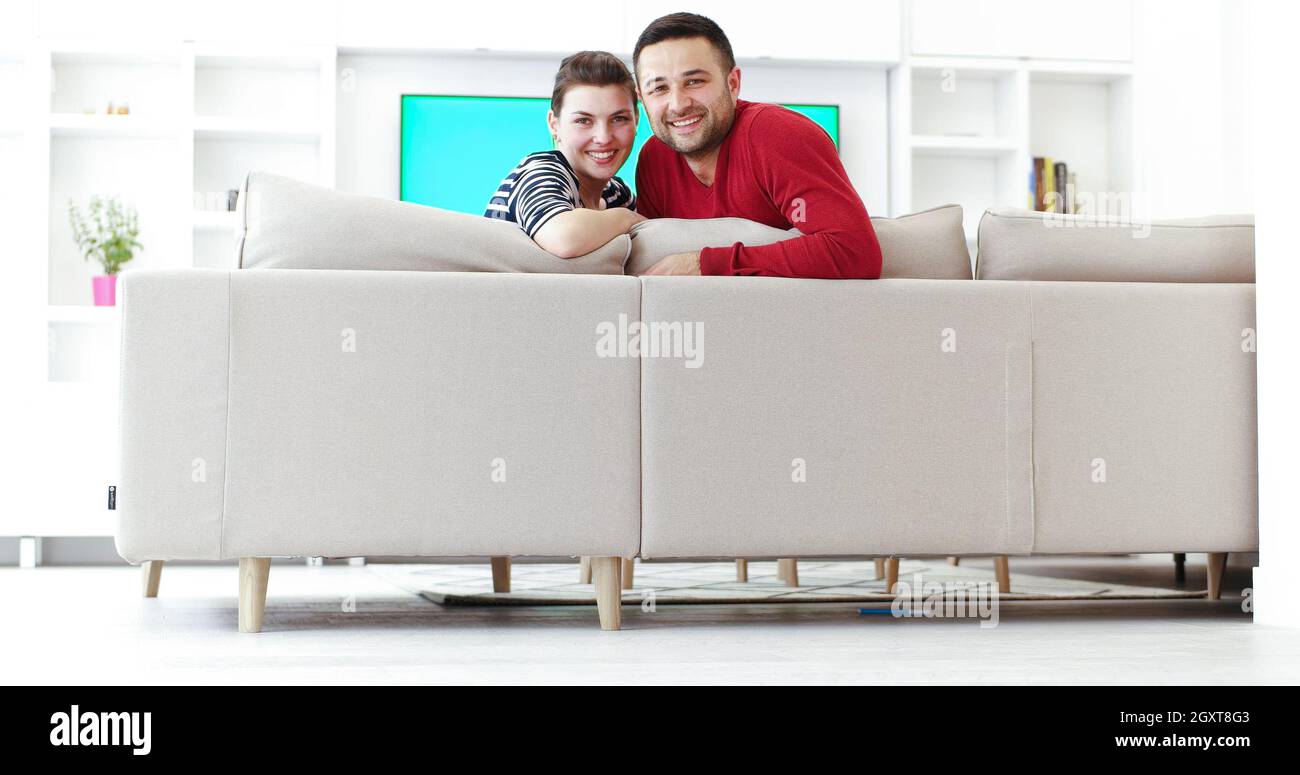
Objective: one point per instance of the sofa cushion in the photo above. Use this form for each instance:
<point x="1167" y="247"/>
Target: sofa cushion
<point x="654" y="239"/>
<point x="929" y="245"/>
<point x="1017" y="244"/>
<point x="924" y="245"/>
<point x="288" y="224"/>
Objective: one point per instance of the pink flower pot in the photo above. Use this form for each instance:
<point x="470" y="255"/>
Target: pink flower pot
<point x="105" y="286"/>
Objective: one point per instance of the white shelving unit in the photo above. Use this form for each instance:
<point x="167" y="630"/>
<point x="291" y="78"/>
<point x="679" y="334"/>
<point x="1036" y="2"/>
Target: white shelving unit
<point x="200" y="116"/>
<point x="965" y="130"/>
<point x="254" y="107"/>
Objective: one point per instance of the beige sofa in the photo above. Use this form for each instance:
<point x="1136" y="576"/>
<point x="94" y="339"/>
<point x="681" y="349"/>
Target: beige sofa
<point x="297" y="412"/>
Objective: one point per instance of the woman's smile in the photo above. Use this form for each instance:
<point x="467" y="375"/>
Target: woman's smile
<point x="603" y="158"/>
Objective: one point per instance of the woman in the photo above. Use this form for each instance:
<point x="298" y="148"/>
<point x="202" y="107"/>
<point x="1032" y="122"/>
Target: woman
<point x="568" y="199"/>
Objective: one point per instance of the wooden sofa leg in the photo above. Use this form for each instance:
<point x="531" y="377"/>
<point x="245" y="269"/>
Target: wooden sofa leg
<point x="880" y="568"/>
<point x="500" y="574"/>
<point x="1002" y="567"/>
<point x="891" y="574"/>
<point x="954" y="561"/>
<point x="628" y="567"/>
<point x="584" y="570"/>
<point x="788" y="571"/>
<point x="742" y="571"/>
<point x="151" y="574"/>
<point x="606" y="572"/>
<point x="1180" y="568"/>
<point x="253" y="574"/>
<point x="1215" y="564"/>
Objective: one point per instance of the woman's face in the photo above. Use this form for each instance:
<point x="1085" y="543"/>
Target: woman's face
<point x="595" y="129"/>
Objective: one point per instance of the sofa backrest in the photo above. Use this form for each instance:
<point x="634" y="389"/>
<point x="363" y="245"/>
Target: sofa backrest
<point x="1019" y="244"/>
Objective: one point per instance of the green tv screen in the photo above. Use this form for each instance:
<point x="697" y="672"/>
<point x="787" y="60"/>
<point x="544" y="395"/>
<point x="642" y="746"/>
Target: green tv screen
<point x="456" y="150"/>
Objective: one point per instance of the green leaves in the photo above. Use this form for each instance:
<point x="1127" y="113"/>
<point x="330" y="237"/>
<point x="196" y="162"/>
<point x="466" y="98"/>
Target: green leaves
<point x="107" y="233"/>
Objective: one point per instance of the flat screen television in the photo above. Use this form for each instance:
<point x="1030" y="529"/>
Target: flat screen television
<point x="456" y="149"/>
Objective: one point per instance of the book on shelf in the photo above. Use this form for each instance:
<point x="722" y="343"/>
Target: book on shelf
<point x="1036" y="185"/>
<point x="1051" y="186"/>
<point x="1060" y="179"/>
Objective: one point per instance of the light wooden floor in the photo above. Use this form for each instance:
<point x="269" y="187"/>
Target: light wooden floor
<point x="339" y="624"/>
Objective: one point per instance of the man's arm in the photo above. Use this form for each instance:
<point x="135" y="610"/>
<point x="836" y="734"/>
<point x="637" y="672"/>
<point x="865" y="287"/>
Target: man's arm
<point x="796" y="165"/>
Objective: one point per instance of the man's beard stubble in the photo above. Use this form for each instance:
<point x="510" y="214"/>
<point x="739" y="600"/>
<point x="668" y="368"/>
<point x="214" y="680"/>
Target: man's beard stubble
<point x="717" y="122"/>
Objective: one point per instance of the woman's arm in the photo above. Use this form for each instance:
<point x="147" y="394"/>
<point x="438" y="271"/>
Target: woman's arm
<point x="578" y="232"/>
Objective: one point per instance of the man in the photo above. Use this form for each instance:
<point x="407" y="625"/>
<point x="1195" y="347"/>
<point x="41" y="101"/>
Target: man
<point x="715" y="155"/>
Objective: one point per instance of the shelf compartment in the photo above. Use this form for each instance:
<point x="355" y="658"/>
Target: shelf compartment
<point x="221" y="163"/>
<point x="951" y="100"/>
<point x="149" y="82"/>
<point x="974" y="182"/>
<point x="1086" y="122"/>
<point x="260" y="88"/>
<point x="142" y="173"/>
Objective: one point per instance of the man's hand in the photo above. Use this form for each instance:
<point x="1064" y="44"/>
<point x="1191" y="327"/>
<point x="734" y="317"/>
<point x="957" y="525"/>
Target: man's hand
<point x="678" y="263"/>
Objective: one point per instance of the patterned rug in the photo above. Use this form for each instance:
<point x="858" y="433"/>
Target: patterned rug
<point x="715" y="583"/>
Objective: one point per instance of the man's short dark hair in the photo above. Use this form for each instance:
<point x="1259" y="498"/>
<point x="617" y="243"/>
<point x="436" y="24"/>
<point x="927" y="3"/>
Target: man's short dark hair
<point x="686" y="25"/>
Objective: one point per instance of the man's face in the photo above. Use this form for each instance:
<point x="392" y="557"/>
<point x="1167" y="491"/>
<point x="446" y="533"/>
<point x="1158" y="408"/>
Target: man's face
<point x="690" y="101"/>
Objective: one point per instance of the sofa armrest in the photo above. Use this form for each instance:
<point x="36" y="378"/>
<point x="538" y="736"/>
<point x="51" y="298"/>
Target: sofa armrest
<point x="174" y="379"/>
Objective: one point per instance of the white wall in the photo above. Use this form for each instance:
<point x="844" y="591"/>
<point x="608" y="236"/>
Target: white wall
<point x="1237" y="152"/>
<point x="1272" y="115"/>
<point x="369" y="116"/>
<point x="1096" y="30"/>
<point x="1192" y="142"/>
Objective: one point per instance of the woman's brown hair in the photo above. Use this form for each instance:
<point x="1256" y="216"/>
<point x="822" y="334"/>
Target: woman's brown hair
<point x="591" y="68"/>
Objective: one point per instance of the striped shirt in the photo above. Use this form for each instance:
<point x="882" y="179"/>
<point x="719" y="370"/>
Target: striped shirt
<point x="542" y="187"/>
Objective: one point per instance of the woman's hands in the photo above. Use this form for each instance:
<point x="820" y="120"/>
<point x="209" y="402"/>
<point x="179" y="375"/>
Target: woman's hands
<point x="578" y="232"/>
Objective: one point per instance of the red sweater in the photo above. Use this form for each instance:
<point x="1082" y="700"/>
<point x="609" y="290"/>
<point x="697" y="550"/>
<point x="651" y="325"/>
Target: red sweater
<point x="779" y="168"/>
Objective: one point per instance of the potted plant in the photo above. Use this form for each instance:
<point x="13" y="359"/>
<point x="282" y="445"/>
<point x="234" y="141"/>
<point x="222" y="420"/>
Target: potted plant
<point x="107" y="234"/>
